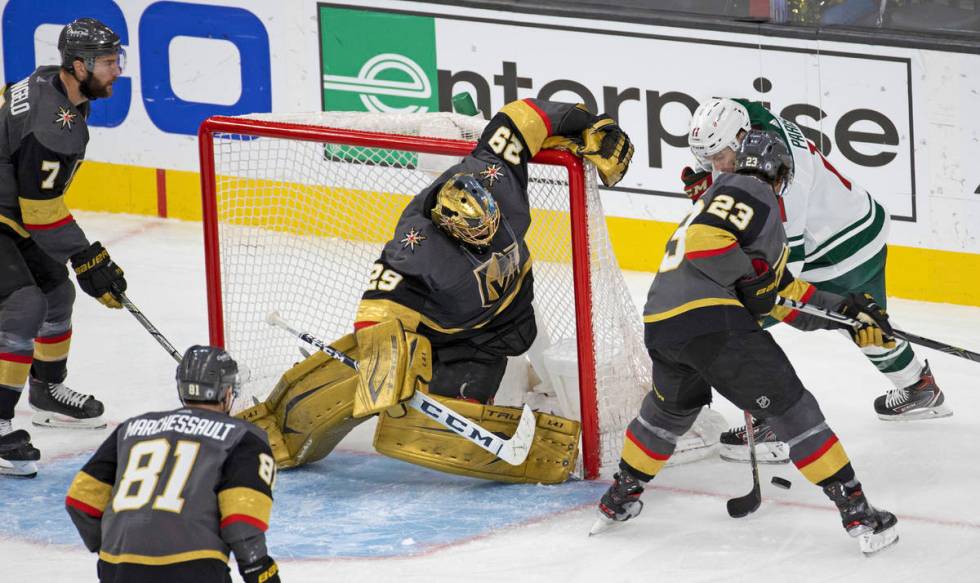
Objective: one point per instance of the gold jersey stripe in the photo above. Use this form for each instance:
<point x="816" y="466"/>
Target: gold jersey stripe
<point x="13" y="374"/>
<point x="692" y="305"/>
<point x="162" y="559"/>
<point x="245" y="501"/>
<point x="90" y="491"/>
<point x="15" y="226"/>
<point x="707" y="238"/>
<point x="529" y="122"/>
<point x="826" y="465"/>
<point x="43" y="212"/>
<point x="52" y="352"/>
<point x="637" y="458"/>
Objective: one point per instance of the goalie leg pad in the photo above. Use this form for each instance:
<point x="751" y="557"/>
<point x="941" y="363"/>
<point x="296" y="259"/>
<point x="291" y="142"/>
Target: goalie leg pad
<point x="392" y="366"/>
<point x="311" y="409"/>
<point x="416" y="439"/>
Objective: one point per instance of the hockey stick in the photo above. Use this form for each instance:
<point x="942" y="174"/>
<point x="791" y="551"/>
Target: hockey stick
<point x="745" y="505"/>
<point x="131" y="307"/>
<point x="513" y="451"/>
<point x="913" y="338"/>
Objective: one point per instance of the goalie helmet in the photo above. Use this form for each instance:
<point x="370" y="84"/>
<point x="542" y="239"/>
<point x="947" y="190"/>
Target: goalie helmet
<point x="206" y="374"/>
<point x="764" y="154"/>
<point x="466" y="211"/>
<point x="88" y="39"/>
<point x="715" y="126"/>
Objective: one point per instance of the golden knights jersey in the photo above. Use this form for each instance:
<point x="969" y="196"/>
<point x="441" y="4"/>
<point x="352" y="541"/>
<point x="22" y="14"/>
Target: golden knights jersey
<point x="693" y="293"/>
<point x="441" y="288"/>
<point x="174" y="486"/>
<point x="42" y="142"/>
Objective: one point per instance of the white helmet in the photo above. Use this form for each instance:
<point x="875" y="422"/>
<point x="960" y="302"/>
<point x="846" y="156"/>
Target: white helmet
<point x="715" y="126"/>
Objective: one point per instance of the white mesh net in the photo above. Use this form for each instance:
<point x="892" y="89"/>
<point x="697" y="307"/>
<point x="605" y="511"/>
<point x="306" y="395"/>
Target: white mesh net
<point x="301" y="222"/>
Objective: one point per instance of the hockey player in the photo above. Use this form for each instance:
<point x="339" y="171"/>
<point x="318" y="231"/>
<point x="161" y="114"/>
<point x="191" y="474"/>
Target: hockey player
<point x="451" y="293"/>
<point x="169" y="494"/>
<point x="720" y="274"/>
<point x="43" y="135"/>
<point x="837" y="233"/>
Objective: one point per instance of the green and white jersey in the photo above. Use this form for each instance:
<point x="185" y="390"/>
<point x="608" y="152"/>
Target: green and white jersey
<point x="834" y="227"/>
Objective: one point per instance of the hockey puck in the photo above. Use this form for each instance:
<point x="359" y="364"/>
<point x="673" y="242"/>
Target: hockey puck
<point x="781" y="482"/>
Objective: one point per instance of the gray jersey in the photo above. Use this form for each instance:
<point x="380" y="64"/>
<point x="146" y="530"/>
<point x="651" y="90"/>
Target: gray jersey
<point x="175" y="486"/>
<point x="42" y="142"/>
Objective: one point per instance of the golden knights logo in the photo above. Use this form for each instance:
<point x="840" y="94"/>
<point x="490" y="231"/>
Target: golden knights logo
<point x="497" y="276"/>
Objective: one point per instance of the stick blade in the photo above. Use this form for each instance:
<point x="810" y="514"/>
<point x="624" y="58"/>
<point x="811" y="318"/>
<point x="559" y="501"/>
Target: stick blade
<point x="515" y="449"/>
<point x="744" y="505"/>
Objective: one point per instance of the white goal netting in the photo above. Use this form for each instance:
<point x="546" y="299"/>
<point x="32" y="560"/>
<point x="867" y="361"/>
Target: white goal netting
<point x="301" y="219"/>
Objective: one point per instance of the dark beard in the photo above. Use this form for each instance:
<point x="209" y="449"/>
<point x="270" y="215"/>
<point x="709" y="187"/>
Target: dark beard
<point x="92" y="91"/>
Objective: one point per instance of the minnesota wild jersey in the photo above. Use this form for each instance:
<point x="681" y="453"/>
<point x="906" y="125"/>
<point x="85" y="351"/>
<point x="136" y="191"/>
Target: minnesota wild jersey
<point x="836" y="229"/>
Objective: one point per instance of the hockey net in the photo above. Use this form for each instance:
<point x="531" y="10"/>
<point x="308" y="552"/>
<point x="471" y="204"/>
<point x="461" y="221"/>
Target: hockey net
<point x="297" y="208"/>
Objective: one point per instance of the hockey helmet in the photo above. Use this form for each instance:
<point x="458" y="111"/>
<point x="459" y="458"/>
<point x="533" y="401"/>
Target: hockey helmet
<point x="206" y="374"/>
<point x="765" y="155"/>
<point x="466" y="211"/>
<point x="88" y="39"/>
<point x="715" y="126"/>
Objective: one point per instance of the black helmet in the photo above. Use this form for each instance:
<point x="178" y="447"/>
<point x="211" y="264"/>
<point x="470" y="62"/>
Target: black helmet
<point x="86" y="39"/>
<point x="765" y="155"/>
<point x="206" y="374"/>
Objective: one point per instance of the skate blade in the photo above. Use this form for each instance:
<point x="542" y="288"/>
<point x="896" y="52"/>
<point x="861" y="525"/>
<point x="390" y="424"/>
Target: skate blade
<point x="603" y="524"/>
<point x="920" y="414"/>
<point x="18" y="469"/>
<point x="872" y="543"/>
<point x="765" y="453"/>
<point x="48" y="419"/>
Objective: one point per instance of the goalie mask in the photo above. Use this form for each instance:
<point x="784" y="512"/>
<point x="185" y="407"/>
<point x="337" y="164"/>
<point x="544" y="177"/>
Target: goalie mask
<point x="466" y="211"/>
<point x="764" y="154"/>
<point x="206" y="374"/>
<point x="715" y="126"/>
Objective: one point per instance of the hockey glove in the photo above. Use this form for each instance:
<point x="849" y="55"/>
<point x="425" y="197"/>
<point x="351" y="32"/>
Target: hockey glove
<point x="98" y="275"/>
<point x="758" y="293"/>
<point x="875" y="330"/>
<point x="606" y="145"/>
<point x="696" y="182"/>
<point x="265" y="570"/>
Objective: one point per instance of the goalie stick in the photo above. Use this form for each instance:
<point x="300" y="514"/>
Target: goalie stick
<point x="138" y="314"/>
<point x="513" y="451"/>
<point x="913" y="338"/>
<point x="745" y="505"/>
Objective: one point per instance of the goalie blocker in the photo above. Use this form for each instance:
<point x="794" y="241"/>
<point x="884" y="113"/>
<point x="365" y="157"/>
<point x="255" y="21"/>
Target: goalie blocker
<point x="320" y="400"/>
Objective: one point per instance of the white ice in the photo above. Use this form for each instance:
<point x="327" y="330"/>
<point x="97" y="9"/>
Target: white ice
<point x="926" y="472"/>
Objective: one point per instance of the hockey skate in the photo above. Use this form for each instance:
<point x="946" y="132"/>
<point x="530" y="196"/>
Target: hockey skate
<point x="922" y="400"/>
<point x="58" y="406"/>
<point x="768" y="448"/>
<point x="18" y="458"/>
<point x="874" y="529"/>
<point x="620" y="502"/>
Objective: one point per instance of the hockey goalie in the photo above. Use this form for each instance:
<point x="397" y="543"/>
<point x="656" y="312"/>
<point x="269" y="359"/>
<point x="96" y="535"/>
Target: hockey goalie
<point x="449" y="300"/>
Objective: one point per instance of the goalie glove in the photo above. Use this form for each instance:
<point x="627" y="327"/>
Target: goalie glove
<point x="603" y="143"/>
<point x="875" y="330"/>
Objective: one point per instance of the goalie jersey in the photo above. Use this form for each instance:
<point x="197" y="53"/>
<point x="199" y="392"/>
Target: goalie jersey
<point x="175" y="486"/>
<point x="42" y="142"/>
<point x="445" y="290"/>
<point x="693" y="293"/>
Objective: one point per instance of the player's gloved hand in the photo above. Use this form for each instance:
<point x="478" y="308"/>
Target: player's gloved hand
<point x="98" y="275"/>
<point x="265" y="570"/>
<point x="758" y="293"/>
<point x="875" y="329"/>
<point x="696" y="182"/>
<point x="606" y="145"/>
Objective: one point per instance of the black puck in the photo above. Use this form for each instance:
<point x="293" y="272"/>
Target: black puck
<point x="781" y="482"/>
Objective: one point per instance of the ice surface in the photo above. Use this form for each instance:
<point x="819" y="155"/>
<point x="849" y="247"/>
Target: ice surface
<point x="408" y="524"/>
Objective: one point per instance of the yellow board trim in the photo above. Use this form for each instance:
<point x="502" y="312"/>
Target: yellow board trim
<point x="914" y="273"/>
<point x="692" y="305"/>
<point x="529" y="122"/>
<point x="90" y="491"/>
<point x="162" y="559"/>
<point x="245" y="501"/>
<point x="826" y="465"/>
<point x="43" y="212"/>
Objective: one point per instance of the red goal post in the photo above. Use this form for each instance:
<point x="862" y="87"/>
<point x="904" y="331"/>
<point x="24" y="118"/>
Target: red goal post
<point x="243" y="160"/>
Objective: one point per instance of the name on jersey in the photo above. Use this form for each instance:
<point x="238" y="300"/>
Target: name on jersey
<point x="179" y="423"/>
<point x="795" y="134"/>
<point x="18" y="97"/>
